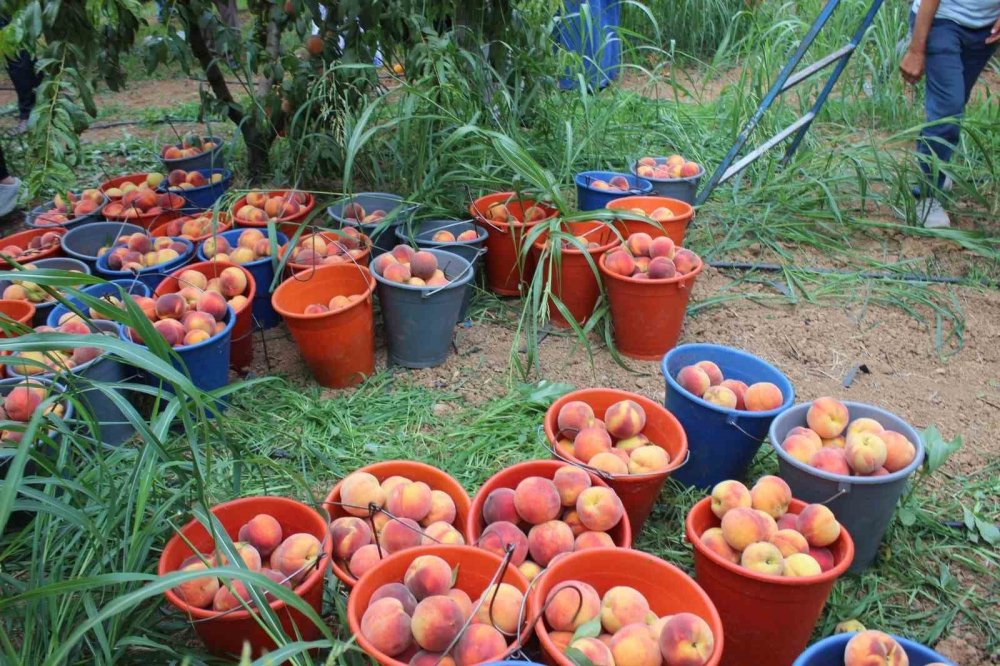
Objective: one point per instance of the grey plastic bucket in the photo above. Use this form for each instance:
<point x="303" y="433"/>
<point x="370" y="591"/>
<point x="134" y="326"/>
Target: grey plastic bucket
<point x="383" y="232"/>
<point x="83" y="242"/>
<point x="43" y="309"/>
<point x="420" y="322"/>
<point x="212" y="159"/>
<point x="421" y="234"/>
<point x="864" y="505"/>
<point x="683" y="189"/>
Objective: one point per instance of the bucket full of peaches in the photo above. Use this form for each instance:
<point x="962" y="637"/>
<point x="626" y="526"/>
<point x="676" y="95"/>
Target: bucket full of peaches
<point x="286" y="208"/>
<point x="626" y="439"/>
<point x="675" y="176"/>
<point x="854" y="457"/>
<point x="68" y="210"/>
<point x="302" y="256"/>
<point x="144" y="258"/>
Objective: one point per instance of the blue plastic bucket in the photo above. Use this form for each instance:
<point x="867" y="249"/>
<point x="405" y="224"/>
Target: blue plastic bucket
<point x="152" y="275"/>
<point x="864" y="505"/>
<point x="85" y="241"/>
<point x="33" y="214"/>
<point x="383" y="232"/>
<point x="262" y="270"/>
<point x="212" y="159"/>
<point x="43" y="309"/>
<point x="204" y="197"/>
<point x="593" y="35"/>
<point x="130" y="286"/>
<point x="830" y="652"/>
<point x="207" y="362"/>
<point x="722" y="442"/>
<point x="589" y="198"/>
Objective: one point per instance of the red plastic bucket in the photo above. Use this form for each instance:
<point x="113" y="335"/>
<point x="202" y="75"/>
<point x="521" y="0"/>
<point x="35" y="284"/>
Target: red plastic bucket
<point x="647" y="314"/>
<point x="507" y="267"/>
<point x="304" y="271"/>
<point x="286" y="225"/>
<point x="767" y="619"/>
<point x="22" y="238"/>
<point x="225" y="634"/>
<point x="575" y="281"/>
<point x="474" y="569"/>
<point x="513" y="475"/>
<point x="338" y="347"/>
<point x="668" y="590"/>
<point x="414" y="471"/>
<point x="674" y="228"/>
<point x="241" y="347"/>
<point x="11" y="311"/>
<point x="638" y="492"/>
<point x="146" y="220"/>
<point x="161" y="227"/>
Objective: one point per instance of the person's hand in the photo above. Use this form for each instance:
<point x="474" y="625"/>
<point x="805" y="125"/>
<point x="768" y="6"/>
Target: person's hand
<point x="994" y="33"/>
<point x="912" y="65"/>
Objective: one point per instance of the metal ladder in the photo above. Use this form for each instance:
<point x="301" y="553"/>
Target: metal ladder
<point x="788" y="79"/>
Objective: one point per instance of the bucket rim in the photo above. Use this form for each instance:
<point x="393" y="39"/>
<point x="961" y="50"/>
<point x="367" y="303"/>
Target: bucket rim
<point x="465" y="275"/>
<point x="633" y="165"/>
<point x="32" y="214"/>
<point x="842" y="479"/>
<point x="126" y="284"/>
<point x="329" y="235"/>
<point x="403" y="235"/>
<point x="291" y="282"/>
<point x="400" y="204"/>
<point x="539" y="243"/>
<point x="15" y="303"/>
<point x="94" y="227"/>
<point x="227" y="177"/>
<point x="839" y="642"/>
<point x="279" y="235"/>
<point x="230" y="320"/>
<point x="108" y="328"/>
<point x="677" y="279"/>
<point x="475" y="210"/>
<point x="643" y="185"/>
<point x="621" y="203"/>
<point x="84" y="268"/>
<point x="165" y="267"/>
<point x="832" y="574"/>
<point x="786" y="404"/>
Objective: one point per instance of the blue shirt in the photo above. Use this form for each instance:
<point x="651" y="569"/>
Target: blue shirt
<point x="968" y="13"/>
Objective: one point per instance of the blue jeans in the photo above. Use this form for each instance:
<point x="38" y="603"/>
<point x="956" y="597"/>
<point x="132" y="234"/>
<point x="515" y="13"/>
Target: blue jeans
<point x="955" y="57"/>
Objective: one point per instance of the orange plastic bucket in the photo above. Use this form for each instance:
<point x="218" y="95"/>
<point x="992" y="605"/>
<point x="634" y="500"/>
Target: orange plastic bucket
<point x="575" y="281"/>
<point x="474" y="570"/>
<point x="675" y="228"/>
<point x="415" y="471"/>
<point x="668" y="590"/>
<point x="513" y="475"/>
<point x="767" y="619"/>
<point x="507" y="267"/>
<point x="304" y="271"/>
<point x="647" y="314"/>
<point x="638" y="492"/>
<point x="286" y="225"/>
<point x="338" y="347"/>
<point x="225" y="634"/>
<point x="11" y="311"/>
<point x="241" y="345"/>
<point x="22" y="238"/>
<point x="162" y="228"/>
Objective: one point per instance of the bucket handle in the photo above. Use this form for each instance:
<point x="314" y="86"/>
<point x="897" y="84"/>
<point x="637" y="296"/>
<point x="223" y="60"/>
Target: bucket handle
<point x="731" y="420"/>
<point x="843" y="488"/>
<point x="607" y="477"/>
<point x="427" y="294"/>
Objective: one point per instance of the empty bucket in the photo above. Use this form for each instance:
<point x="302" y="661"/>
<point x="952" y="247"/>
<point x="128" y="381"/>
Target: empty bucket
<point x="682" y="189"/>
<point x="722" y="442"/>
<point x="86" y="241"/>
<point x="43" y="308"/>
<point x="675" y="227"/>
<point x="382" y="232"/>
<point x="590" y="195"/>
<point x="338" y="346"/>
<point x="830" y="652"/>
<point x="863" y="504"/>
<point x="767" y="619"/>
<point x="134" y="287"/>
<point x="151" y="275"/>
<point x="208" y="159"/>
<point x="263" y="275"/>
<point x="420" y="322"/>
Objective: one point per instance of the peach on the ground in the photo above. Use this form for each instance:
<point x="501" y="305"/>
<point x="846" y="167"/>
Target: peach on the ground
<point x="694" y="380"/>
<point x="409" y="500"/>
<point x="400" y="534"/>
<point x="801" y="447"/>
<point x="436" y="622"/>
<point x="499" y="505"/>
<point x="358" y="490"/>
<point x="865" y="452"/>
<point x="593" y="540"/>
<point x="427" y="575"/>
<point x="712" y="370"/>
<point x="818" y="525"/>
<point x="589" y="442"/>
<point x="789" y="541"/>
<point x="801" y="564"/>
<point x="647" y="460"/>
<point x="832" y="460"/>
<point x="827" y="416"/>
<point x="686" y="639"/>
<point x="713" y="539"/>
<point x="348" y="534"/>
<point x="549" y="539"/>
<point x="571" y="604"/>
<point x="599" y="508"/>
<point x="479" y="643"/>
<point x="570" y="481"/>
<point x="574" y="416"/>
<point x="634" y="645"/>
<point x="363" y="560"/>
<point x="597" y="652"/>
<point x="624" y="419"/>
<point x="536" y="500"/>
<point x="623" y="605"/>
<point x="442" y="508"/>
<point x="762" y="396"/>
<point x="874" y="647"/>
<point x="608" y="462"/>
<point x="728" y="495"/>
<point x="198" y="592"/>
<point x="262" y="532"/>
<point x="296" y="556"/>
<point x="771" y="495"/>
<point x="387" y="626"/>
<point x="900" y="451"/>
<point x="396" y="591"/>
<point x="497" y="536"/>
<point x="743" y="526"/>
<point x="501" y="607"/>
<point x="720" y="395"/>
<point x="763" y="557"/>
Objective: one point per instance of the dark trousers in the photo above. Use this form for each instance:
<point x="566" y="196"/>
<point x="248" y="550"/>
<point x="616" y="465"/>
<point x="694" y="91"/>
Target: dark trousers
<point x="3" y="166"/>
<point x="955" y="57"/>
<point x="22" y="74"/>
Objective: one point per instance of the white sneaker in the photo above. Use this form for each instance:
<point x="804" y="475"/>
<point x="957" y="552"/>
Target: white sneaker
<point x="948" y="185"/>
<point x="932" y="214"/>
<point x="8" y="196"/>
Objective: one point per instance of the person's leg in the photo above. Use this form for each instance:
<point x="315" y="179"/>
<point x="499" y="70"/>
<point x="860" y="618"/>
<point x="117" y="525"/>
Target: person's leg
<point x="976" y="53"/>
<point x="944" y="99"/>
<point x="228" y="12"/>
<point x="22" y="73"/>
<point x="9" y="187"/>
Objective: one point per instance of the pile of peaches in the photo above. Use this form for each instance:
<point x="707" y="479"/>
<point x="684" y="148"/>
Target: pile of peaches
<point x="26" y="290"/>
<point x="152" y="181"/>
<point x="179" y="180"/>
<point x="835" y="443"/>
<point x="619" y="183"/>
<point x="411" y="267"/>
<point x="142" y="199"/>
<point x="544" y="518"/>
<point x="231" y="283"/>
<point x="180" y="324"/>
<point x="647" y="258"/>
<point x="354" y="214"/>
<point x="35" y="246"/>
<point x="445" y="236"/>
<point x="629" y="633"/>
<point x="499" y="212"/>
<point x="419" y="618"/>
<point x="335" y="304"/>
<point x="138" y="251"/>
<point x="705" y="380"/>
<point x="289" y="559"/>
<point x="317" y="250"/>
<point x="70" y="207"/>
<point x="615" y="444"/>
<point x="411" y="515"/>
<point x="29" y="363"/>
<point x="190" y="146"/>
<point x="759" y="534"/>
<point x="876" y="647"/>
<point x="193" y="226"/>
<point x="251" y="245"/>
<point x="260" y="206"/>
<point x="19" y="405"/>
<point x="672" y="167"/>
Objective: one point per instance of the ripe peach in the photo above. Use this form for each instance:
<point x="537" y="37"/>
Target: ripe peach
<point x="832" y="460"/>
<point x="423" y="264"/>
<point x="801" y="447"/>
<point x="625" y="419"/>
<point x="713" y="539"/>
<point x="530" y="569"/>
<point x="743" y="526"/>
<point x="662" y="246"/>
<point x="296" y="556"/>
<point x="789" y="541"/>
<point x="694" y="380"/>
<point x="900" y="451"/>
<point x="570" y="481"/>
<point x="316" y="308"/>
<point x="572" y="518"/>
<point x="593" y="540"/>
<point x="787" y="521"/>
<point x="199" y="592"/>
<point x="827" y="417"/>
<point x="721" y="396"/>
<point x="428" y="575"/>
<point x="497" y="536"/>
<point x="801" y="564"/>
<point x="363" y="560"/>
<point x="499" y="505"/>
<point x="21" y="403"/>
<point x="865" y="452"/>
<point x="589" y="442"/>
<point x="262" y="532"/>
<point x="620" y="262"/>
<point x="570" y="604"/>
<point x="858" y="426"/>
<point x="874" y="648"/>
<point x="501" y="607"/>
<point x="425" y="658"/>
<point x="536" y="500"/>
<point x="608" y="462"/>
<point x="594" y="650"/>
<point x="686" y="261"/>
<point x="623" y="605"/>
<point x="648" y="460"/>
<point x="171" y="330"/>
<point x="763" y="557"/>
<point x="436" y="622"/>
<point x="249" y="238"/>
<point x="348" y="534"/>
<point x="712" y="370"/>
<point x="397" y="272"/>
<point x="387" y="626"/>
<point x="479" y="643"/>
<point x="228" y="598"/>
<point x="687" y="640"/>
<point x="599" y="508"/>
<point x="823" y="556"/>
<point x="818" y="525"/>
<point x="170" y="306"/>
<point x="463" y="601"/>
<point x="358" y="490"/>
<point x="442" y="509"/>
<point x="762" y="396"/>
<point x="409" y="500"/>
<point x="638" y="244"/>
<point x="211" y="303"/>
<point x="442" y="532"/>
<point x="771" y="495"/>
<point x="195" y="337"/>
<point x="396" y="591"/>
<point x="835" y="442"/>
<point x="548" y="539"/>
<point x="728" y="495"/>
<point x="400" y="534"/>
<point x="574" y="416"/>
<point x="233" y="281"/>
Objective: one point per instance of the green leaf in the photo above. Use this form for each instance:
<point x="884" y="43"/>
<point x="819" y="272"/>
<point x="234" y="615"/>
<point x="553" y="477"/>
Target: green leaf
<point x="577" y="657"/>
<point x="907" y="516"/>
<point x="938" y="450"/>
<point x="591" y="629"/>
<point x="989" y="531"/>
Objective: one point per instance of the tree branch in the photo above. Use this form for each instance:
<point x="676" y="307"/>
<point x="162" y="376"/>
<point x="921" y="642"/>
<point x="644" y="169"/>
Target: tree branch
<point x="214" y="76"/>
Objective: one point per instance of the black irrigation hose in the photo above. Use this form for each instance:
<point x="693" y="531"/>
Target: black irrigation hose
<point x="906" y="277"/>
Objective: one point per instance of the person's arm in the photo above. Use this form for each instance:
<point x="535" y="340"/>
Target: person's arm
<point x="912" y="64"/>
<point x="994" y="33"/>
